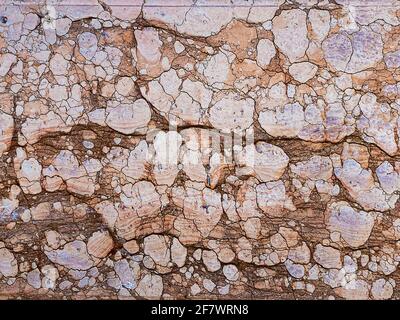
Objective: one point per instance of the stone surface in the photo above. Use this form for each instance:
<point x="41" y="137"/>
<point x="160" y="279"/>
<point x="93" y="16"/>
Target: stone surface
<point x="354" y="226"/>
<point x="199" y="149"/>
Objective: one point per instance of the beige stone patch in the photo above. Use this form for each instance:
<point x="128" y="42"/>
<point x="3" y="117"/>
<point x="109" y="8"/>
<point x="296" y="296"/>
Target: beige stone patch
<point x="354" y="226"/>
<point x="232" y="113"/>
<point x="266" y="161"/>
<point x="148" y="51"/>
<point x="284" y="121"/>
<point x="150" y="286"/>
<point x="6" y="61"/>
<point x="127" y="118"/>
<point x="272" y="198"/>
<point x="357" y="152"/>
<point x="73" y="255"/>
<point x="303" y="71"/>
<point x="8" y="263"/>
<point x="320" y="24"/>
<point x="265" y="52"/>
<point x="361" y="186"/>
<point x="378" y="123"/>
<point x="354" y="290"/>
<point x="100" y="244"/>
<point x="156" y="246"/>
<point x="204" y="208"/>
<point x="327" y="257"/>
<point x="35" y="128"/>
<point x="290" y="31"/>
<point x="141" y="205"/>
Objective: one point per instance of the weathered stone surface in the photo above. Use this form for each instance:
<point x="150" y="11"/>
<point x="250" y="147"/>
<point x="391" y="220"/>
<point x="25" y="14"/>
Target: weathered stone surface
<point x="73" y="255"/>
<point x="265" y="52"/>
<point x="362" y="187"/>
<point x="199" y="149"/>
<point x="6" y="131"/>
<point x="232" y="113"/>
<point x="150" y="286"/>
<point x="8" y="264"/>
<point x="327" y="257"/>
<point x="303" y="71"/>
<point x="127" y="118"/>
<point x="267" y="162"/>
<point x="290" y="31"/>
<point x="100" y="244"/>
<point x="285" y="121"/>
<point x="354" y="226"/>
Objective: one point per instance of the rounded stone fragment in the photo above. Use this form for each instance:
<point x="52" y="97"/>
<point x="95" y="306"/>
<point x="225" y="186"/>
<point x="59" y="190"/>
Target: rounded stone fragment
<point x="125" y="274"/>
<point x="378" y="123"/>
<point x="290" y="31"/>
<point x="211" y="261"/>
<point x="270" y="161"/>
<point x="74" y="255"/>
<point x="31" y="169"/>
<point x="58" y="65"/>
<point x="320" y="24"/>
<point x="157" y="248"/>
<point x="300" y="254"/>
<point x="148" y="44"/>
<point x="141" y="206"/>
<point x="204" y="208"/>
<point x="357" y="152"/>
<point x="353" y="225"/>
<point x="124" y="86"/>
<point x="381" y="289"/>
<point x="87" y="44"/>
<point x="361" y="186"/>
<point x="367" y="50"/>
<point x="294" y="269"/>
<point x="272" y="198"/>
<point x="33" y="279"/>
<point x="388" y="177"/>
<point x="129" y="13"/>
<point x="231" y="114"/>
<point x="51" y="275"/>
<point x="8" y="263"/>
<point x="327" y="257"/>
<point x="150" y="286"/>
<point x="303" y="71"/>
<point x="6" y="61"/>
<point x="178" y="253"/>
<point x="231" y="272"/>
<point x="203" y="21"/>
<point x="100" y="244"/>
<point x="127" y="118"/>
<point x="337" y="51"/>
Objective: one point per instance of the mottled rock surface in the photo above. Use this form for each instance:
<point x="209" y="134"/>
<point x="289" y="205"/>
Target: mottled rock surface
<point x="200" y="150"/>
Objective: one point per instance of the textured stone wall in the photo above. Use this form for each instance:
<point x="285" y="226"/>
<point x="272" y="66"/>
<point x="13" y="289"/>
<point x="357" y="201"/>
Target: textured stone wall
<point x="222" y="149"/>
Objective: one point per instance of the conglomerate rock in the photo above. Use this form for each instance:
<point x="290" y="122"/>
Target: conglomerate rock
<point x="199" y="149"/>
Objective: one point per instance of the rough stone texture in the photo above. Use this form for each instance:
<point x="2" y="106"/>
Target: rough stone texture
<point x="206" y="149"/>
